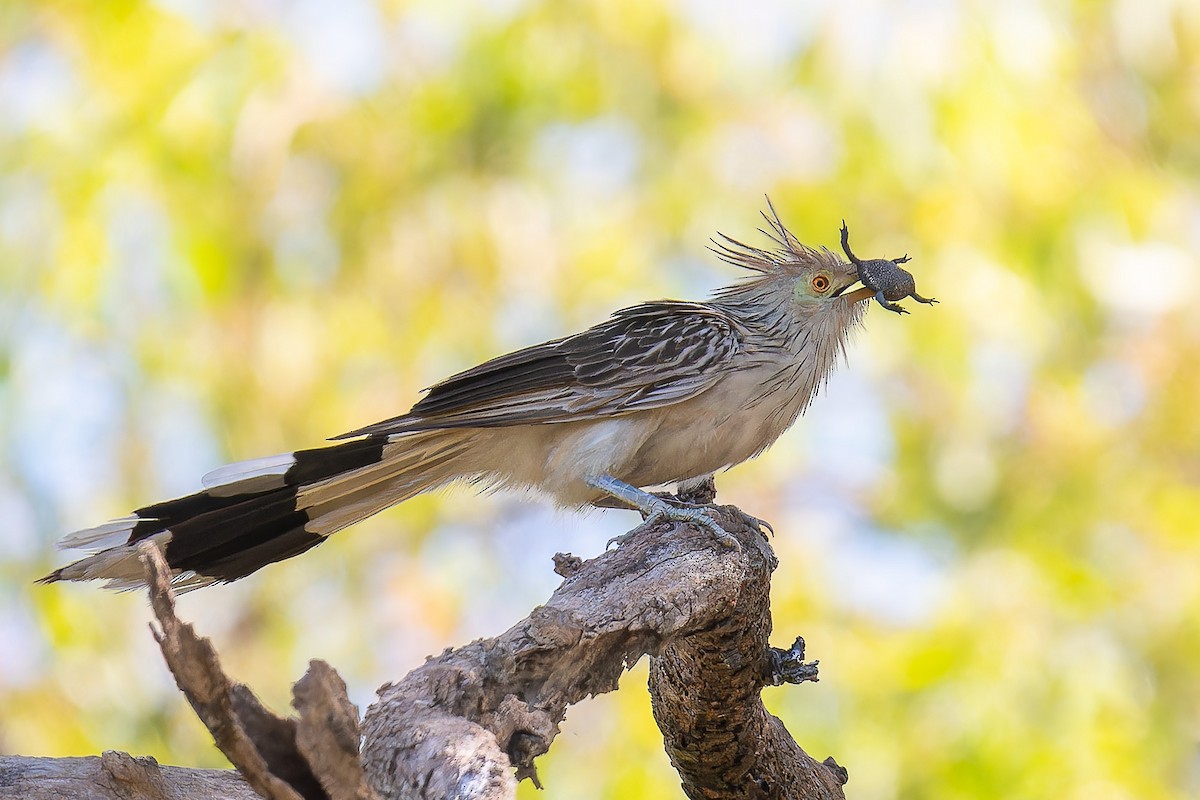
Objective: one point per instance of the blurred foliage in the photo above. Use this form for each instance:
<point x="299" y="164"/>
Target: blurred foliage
<point x="233" y="228"/>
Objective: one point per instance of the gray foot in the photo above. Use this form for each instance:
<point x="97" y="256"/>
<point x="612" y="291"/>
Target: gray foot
<point x="656" y="510"/>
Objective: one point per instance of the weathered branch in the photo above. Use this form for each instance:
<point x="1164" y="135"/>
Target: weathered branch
<point x="674" y="593"/>
<point x="470" y="722"/>
<point x="115" y="776"/>
<point x="704" y="691"/>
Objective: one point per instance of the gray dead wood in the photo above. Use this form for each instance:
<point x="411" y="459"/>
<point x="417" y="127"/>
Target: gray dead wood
<point x="115" y="776"/>
<point x="470" y="722"/>
<point x="700" y="609"/>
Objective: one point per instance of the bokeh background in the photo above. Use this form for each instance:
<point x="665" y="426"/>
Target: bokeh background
<point x="229" y="229"/>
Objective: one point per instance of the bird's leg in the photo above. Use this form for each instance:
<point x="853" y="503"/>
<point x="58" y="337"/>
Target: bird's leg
<point x="920" y="299"/>
<point x="888" y="304"/>
<point x="655" y="510"/>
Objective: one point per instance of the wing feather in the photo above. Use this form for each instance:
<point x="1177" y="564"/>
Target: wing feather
<point x="643" y="357"/>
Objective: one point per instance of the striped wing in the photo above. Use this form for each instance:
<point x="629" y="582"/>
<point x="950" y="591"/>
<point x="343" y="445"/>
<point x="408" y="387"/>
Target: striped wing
<point x="648" y="356"/>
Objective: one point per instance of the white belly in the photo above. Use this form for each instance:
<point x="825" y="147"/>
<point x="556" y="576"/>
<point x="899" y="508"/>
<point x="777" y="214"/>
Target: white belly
<point x="724" y="426"/>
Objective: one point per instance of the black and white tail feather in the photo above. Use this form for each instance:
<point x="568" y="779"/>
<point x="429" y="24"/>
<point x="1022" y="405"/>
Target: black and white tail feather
<point x="253" y="513"/>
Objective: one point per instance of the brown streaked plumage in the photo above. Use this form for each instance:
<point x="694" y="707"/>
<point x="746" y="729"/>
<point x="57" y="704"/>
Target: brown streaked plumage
<point x="644" y="357"/>
<point x="664" y="392"/>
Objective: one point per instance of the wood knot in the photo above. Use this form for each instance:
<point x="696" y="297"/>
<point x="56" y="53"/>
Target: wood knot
<point x="566" y="564"/>
<point x="841" y="773"/>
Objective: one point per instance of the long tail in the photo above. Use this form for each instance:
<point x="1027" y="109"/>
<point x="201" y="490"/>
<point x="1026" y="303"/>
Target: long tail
<point x="257" y="512"/>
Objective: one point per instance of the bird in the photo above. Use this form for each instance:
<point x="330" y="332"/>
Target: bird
<point x="663" y="393"/>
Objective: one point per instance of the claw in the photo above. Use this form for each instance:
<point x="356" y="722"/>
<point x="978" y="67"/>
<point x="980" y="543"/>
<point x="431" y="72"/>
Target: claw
<point x="656" y="510"/>
<point x="752" y="521"/>
<point x="669" y="513"/>
<point x="624" y="537"/>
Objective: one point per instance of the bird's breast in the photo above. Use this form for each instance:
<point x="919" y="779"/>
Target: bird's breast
<point x="725" y="425"/>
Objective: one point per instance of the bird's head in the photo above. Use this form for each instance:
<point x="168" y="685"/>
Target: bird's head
<point x="807" y="280"/>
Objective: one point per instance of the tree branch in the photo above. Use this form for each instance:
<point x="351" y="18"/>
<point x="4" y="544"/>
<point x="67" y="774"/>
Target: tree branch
<point x="470" y="722"/>
<point x="704" y="691"/>
<point x="673" y="592"/>
<point x="115" y="776"/>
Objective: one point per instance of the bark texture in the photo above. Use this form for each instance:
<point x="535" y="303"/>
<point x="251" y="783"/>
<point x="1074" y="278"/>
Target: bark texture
<point x="675" y="593"/>
<point x="470" y="722"/>
<point x="704" y="691"/>
<point x="115" y="776"/>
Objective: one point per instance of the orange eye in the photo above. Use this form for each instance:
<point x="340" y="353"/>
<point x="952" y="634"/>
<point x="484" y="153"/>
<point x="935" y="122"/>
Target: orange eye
<point x="820" y="283"/>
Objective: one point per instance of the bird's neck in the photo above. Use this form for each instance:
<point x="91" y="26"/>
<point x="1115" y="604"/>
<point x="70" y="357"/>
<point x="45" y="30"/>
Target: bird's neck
<point x="767" y="311"/>
<point x="798" y="345"/>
